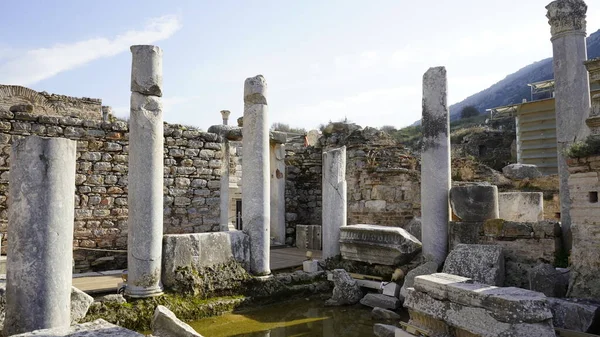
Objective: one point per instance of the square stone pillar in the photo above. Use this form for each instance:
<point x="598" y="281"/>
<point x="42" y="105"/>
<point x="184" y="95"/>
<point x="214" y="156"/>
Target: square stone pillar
<point x="435" y="165"/>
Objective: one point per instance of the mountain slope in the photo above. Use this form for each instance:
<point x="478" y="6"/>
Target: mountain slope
<point x="513" y="88"/>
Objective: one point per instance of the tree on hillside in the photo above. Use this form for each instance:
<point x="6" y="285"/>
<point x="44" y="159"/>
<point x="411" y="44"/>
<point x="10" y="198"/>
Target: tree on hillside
<point x="286" y="128"/>
<point x="389" y="129"/>
<point x="468" y="112"/>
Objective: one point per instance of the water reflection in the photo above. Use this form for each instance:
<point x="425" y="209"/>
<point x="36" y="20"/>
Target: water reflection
<point x="294" y="318"/>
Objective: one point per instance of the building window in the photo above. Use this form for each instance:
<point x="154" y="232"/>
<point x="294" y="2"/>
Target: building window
<point x="593" y="197"/>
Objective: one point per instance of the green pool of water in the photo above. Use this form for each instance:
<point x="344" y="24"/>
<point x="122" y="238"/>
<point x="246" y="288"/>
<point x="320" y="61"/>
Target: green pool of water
<point x="306" y="318"/>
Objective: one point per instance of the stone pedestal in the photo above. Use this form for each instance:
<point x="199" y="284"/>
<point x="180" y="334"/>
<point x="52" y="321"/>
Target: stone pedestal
<point x="40" y="226"/>
<point x="435" y="165"/>
<point x="572" y="90"/>
<point x="255" y="180"/>
<point x="474" y="202"/>
<point x="145" y="195"/>
<point x="334" y="200"/>
<point x="521" y="206"/>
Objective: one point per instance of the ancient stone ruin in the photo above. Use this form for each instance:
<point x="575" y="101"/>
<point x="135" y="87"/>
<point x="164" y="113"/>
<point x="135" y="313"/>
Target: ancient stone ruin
<point x="195" y="217"/>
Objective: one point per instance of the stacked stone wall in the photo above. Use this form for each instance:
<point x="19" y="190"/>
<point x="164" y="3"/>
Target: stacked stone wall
<point x="302" y="188"/>
<point x="584" y="186"/>
<point x="383" y="178"/>
<point x="191" y="180"/>
<point x="50" y="104"/>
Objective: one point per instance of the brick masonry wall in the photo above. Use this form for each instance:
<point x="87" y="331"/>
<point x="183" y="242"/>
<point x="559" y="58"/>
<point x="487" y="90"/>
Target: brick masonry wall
<point x="191" y="180"/>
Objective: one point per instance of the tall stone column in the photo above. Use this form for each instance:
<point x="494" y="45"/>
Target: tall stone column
<point x="572" y="90"/>
<point x="334" y="200"/>
<point x="435" y="165"/>
<point x="224" y="189"/>
<point x="40" y="241"/>
<point x="255" y="179"/>
<point x="277" y="169"/>
<point x="145" y="196"/>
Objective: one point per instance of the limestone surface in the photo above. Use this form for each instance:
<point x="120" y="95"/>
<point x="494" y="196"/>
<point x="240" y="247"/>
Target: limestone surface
<point x="40" y="223"/>
<point x="521" y="171"/>
<point x="521" y="206"/>
<point x="146" y="70"/>
<point x="256" y="192"/>
<point x="80" y="303"/>
<point x="384" y="330"/>
<point x="145" y="195"/>
<point x="97" y="328"/>
<point x="384" y="314"/>
<point x="345" y="291"/>
<point x="474" y="202"/>
<point x="378" y="244"/>
<point x="201" y="250"/>
<point x="308" y="236"/>
<point x="334" y="198"/>
<point x="482" y="263"/>
<point x="424" y="269"/>
<point x="575" y="314"/>
<point x="571" y="91"/>
<point x="435" y="164"/>
<point x="380" y="301"/>
<point x="166" y="324"/>
<point x="552" y="282"/>
<point x="483" y="310"/>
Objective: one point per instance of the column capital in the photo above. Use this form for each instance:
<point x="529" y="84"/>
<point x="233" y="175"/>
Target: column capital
<point x="225" y="115"/>
<point x="566" y="16"/>
<point x="593" y="67"/>
<point x="593" y="121"/>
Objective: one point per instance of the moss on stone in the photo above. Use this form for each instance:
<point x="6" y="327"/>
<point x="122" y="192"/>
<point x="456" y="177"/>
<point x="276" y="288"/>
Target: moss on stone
<point x="589" y="147"/>
<point x="137" y="313"/>
<point x="494" y="226"/>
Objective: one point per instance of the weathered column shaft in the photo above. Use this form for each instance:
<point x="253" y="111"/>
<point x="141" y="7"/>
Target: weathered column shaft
<point x="334" y="200"/>
<point x="435" y="165"/>
<point x="224" y="189"/>
<point x="40" y="241"/>
<point x="572" y="90"/>
<point x="255" y="179"/>
<point x="145" y="195"/>
<point x="277" y="168"/>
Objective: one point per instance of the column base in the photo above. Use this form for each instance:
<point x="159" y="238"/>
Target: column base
<point x="141" y="292"/>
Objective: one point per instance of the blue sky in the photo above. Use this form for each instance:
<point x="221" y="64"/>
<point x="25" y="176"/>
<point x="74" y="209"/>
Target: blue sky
<point x="323" y="60"/>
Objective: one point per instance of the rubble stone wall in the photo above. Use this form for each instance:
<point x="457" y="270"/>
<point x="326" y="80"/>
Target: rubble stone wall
<point x="191" y="179"/>
<point x="525" y="244"/>
<point x="51" y="104"/>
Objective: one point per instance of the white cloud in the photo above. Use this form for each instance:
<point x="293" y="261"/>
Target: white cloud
<point x="38" y="64"/>
<point x="383" y="106"/>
